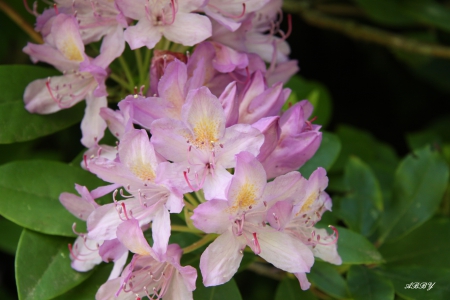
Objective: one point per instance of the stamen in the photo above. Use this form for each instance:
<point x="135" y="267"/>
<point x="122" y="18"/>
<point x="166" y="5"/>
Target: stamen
<point x="284" y="36"/>
<point x="256" y="243"/>
<point x="85" y="162"/>
<point x="55" y="7"/>
<point x="188" y="182"/>
<point x="34" y="11"/>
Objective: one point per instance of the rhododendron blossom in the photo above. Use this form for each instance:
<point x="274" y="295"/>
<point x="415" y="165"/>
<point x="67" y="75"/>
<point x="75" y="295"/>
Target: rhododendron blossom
<point x="199" y="142"/>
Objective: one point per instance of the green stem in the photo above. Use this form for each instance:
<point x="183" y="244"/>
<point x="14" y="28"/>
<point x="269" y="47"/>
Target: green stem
<point x="140" y="65"/>
<point x="191" y="199"/>
<point x="148" y="55"/>
<point x="126" y="69"/>
<point x="200" y="243"/>
<point x="180" y="228"/>
<point x="119" y="80"/>
<point x="189" y="205"/>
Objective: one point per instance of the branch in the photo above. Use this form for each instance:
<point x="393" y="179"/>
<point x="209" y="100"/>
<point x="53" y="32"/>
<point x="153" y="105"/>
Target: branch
<point x="366" y="33"/>
<point x="13" y="15"/>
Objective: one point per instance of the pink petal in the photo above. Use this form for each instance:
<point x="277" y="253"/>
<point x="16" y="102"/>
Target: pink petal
<point x="212" y="216"/>
<point x="284" y="252"/>
<point x="221" y="260"/>
<point x="142" y="34"/>
<point x="188" y="29"/>
<point x="129" y="233"/>
<point x="93" y="126"/>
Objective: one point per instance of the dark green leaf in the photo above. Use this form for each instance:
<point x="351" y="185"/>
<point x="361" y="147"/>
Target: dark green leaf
<point x="289" y="289"/>
<point x="19" y="125"/>
<point x="43" y="268"/>
<point x="313" y="91"/>
<point x="386" y="12"/>
<point x="420" y="182"/>
<point x="30" y="194"/>
<point x="89" y="288"/>
<point x="356" y="249"/>
<point x="425" y="246"/>
<point x="428" y="12"/>
<point x="403" y="275"/>
<point x="225" y="291"/>
<point x="9" y="236"/>
<point x="362" y="205"/>
<point x="327" y="278"/>
<point x="15" y="78"/>
<point x="325" y="155"/>
<point x="421" y="139"/>
<point x="366" y="285"/>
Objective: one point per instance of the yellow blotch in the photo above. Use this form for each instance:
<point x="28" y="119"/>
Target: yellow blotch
<point x="206" y="131"/>
<point x="143" y="171"/>
<point x="245" y="198"/>
<point x="309" y="201"/>
<point x="70" y="50"/>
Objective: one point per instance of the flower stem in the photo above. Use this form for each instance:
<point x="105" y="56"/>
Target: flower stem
<point x="126" y="69"/>
<point x="16" y="18"/>
<point x="191" y="200"/>
<point x="181" y="228"/>
<point x="119" y="80"/>
<point x="200" y="243"/>
<point x="140" y="66"/>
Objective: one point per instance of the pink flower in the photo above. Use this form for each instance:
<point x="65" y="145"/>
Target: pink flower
<point x="240" y="221"/>
<point x="201" y="145"/>
<point x="148" y="275"/>
<point x="171" y="19"/>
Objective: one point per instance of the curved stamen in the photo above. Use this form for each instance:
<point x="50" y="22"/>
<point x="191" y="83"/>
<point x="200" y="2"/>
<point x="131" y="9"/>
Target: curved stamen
<point x="256" y="243"/>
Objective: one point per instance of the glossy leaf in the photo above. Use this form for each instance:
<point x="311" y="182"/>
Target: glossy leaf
<point x="364" y="284"/>
<point x="425" y="246"/>
<point x="356" y="249"/>
<point x="421" y="139"/>
<point x="325" y="155"/>
<point x="327" y="279"/>
<point x="313" y="91"/>
<point x="17" y="123"/>
<point x="289" y="289"/>
<point x="43" y="268"/>
<point x="361" y="206"/>
<point x="9" y="236"/>
<point x="30" y="195"/>
<point x="386" y="12"/>
<point x="420" y="182"/>
<point x="88" y="288"/>
<point x="225" y="291"/>
<point x="15" y="78"/>
<point x="403" y="275"/>
<point x="428" y="12"/>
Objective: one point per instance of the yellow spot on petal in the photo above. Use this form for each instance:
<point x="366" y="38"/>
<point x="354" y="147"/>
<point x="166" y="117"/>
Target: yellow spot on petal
<point x="206" y="132"/>
<point x="309" y="201"/>
<point x="70" y="50"/>
<point x="246" y="197"/>
<point x="143" y="171"/>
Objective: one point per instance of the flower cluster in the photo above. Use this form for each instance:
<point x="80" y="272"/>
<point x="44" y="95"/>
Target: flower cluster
<point x="217" y="135"/>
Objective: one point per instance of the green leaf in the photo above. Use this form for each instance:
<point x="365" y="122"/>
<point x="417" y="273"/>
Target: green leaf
<point x="403" y="275"/>
<point x="425" y="246"/>
<point x="428" y="12"/>
<point x="15" y="78"/>
<point x="289" y="289"/>
<point x="19" y="125"/>
<point x="225" y="291"/>
<point x="88" y="288"/>
<point x="43" y="268"/>
<point x="387" y="12"/>
<point x="356" y="249"/>
<point x="421" y="139"/>
<point x="325" y="155"/>
<point x="420" y="183"/>
<point x="30" y="195"/>
<point x="313" y="91"/>
<point x="9" y="236"/>
<point x="364" y="284"/>
<point x="327" y="278"/>
<point x="16" y="122"/>
<point x="362" y="205"/>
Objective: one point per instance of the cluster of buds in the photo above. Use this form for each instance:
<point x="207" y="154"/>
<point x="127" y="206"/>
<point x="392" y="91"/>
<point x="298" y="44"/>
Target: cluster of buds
<point x="217" y="135"/>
